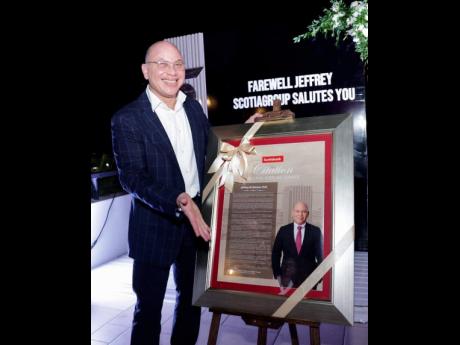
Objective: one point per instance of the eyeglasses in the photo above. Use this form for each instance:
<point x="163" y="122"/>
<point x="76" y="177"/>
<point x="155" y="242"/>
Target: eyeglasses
<point x="163" y="65"/>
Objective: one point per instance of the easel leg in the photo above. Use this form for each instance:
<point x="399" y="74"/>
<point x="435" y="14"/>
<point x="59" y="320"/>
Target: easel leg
<point x="214" y="330"/>
<point x="262" y="337"/>
<point x="293" y="332"/>
<point x="314" y="334"/>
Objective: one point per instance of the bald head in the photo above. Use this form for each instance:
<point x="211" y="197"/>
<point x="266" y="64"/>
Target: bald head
<point x="300" y="204"/>
<point x="300" y="212"/>
<point x="159" y="48"/>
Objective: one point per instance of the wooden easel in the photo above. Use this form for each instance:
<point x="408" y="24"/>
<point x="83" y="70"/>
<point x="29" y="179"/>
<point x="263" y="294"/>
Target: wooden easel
<point x="264" y="322"/>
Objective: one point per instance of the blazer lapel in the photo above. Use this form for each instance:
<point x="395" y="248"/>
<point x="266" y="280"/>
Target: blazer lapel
<point x="306" y="237"/>
<point x="292" y="239"/>
<point x="155" y="129"/>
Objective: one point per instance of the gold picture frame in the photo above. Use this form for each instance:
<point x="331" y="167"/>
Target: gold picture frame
<point x="317" y="155"/>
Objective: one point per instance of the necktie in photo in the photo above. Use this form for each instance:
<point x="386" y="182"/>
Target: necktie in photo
<point x="298" y="239"/>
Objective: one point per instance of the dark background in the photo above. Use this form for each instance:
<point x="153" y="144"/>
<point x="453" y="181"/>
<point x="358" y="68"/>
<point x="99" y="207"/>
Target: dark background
<point x="235" y="57"/>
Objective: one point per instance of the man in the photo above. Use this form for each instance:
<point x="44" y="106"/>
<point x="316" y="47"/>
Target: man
<point x="300" y="243"/>
<point x="159" y="144"/>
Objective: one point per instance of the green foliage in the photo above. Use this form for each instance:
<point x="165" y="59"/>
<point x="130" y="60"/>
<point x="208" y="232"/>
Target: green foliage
<point x="341" y="21"/>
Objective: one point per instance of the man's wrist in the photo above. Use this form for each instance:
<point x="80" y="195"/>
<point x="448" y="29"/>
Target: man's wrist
<point x="178" y="200"/>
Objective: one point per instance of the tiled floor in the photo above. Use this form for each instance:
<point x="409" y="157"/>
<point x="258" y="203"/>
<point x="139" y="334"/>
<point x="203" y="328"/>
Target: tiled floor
<point x="112" y="305"/>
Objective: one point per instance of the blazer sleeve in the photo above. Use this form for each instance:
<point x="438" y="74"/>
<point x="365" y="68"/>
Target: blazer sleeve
<point x="276" y="255"/>
<point x="129" y="154"/>
<point x="319" y="246"/>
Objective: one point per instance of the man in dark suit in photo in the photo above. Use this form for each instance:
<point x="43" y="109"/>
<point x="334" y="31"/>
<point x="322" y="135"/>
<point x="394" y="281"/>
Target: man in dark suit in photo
<point x="298" y="249"/>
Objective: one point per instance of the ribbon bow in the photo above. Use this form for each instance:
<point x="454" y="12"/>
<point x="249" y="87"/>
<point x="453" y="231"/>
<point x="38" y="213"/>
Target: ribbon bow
<point x="231" y="163"/>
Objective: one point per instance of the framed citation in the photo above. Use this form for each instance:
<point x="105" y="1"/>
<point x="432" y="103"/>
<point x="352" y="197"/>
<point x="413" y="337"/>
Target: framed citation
<point x="308" y="160"/>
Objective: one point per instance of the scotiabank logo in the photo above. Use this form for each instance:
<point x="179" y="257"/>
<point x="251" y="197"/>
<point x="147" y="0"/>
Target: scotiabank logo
<point x="272" y="159"/>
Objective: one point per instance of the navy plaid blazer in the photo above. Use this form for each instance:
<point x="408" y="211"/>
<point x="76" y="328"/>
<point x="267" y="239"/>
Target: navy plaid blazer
<point x="148" y="169"/>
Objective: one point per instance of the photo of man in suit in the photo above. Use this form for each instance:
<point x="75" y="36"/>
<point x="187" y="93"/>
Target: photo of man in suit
<point x="298" y="249"/>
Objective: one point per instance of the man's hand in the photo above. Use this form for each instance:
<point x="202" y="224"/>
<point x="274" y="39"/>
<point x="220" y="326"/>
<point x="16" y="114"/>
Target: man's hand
<point x="252" y="118"/>
<point x="290" y="284"/>
<point x="192" y="212"/>
<point x="279" y="281"/>
<point x="284" y="290"/>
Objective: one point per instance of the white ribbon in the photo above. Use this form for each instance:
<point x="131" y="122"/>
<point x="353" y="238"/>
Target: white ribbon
<point x="231" y="163"/>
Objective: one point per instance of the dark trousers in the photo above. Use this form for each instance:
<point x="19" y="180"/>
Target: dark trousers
<point x="149" y="284"/>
